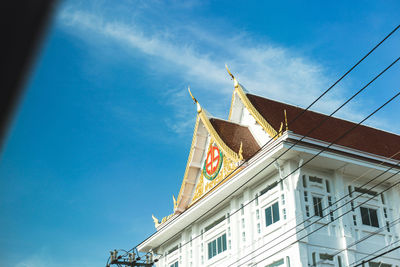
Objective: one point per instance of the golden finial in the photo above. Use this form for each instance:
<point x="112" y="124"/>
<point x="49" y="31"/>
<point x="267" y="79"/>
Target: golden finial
<point x="241" y="151"/>
<point x="156" y="221"/>
<point x="280" y="129"/>
<point x="235" y="82"/>
<point x="175" y="203"/>
<point x="195" y="101"/>
<point x="287" y="128"/>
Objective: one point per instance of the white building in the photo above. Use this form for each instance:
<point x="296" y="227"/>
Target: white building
<point x="243" y="203"/>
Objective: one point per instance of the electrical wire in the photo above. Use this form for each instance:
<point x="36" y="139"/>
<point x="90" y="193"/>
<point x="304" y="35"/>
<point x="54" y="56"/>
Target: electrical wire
<point x="380" y="255"/>
<point x="337" y="208"/>
<point x="341" y="137"/>
<point x="373" y="253"/>
<point x="313" y="129"/>
<point x="325" y="148"/>
<point x="325" y="224"/>
<point x="292" y="121"/>
<point x="334" y="203"/>
<point x="361" y="240"/>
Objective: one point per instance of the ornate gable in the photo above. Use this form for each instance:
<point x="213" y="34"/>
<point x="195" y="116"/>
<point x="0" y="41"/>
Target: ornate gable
<point x="207" y="144"/>
<point x="218" y="147"/>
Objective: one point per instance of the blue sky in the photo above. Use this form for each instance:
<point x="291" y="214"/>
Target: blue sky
<point x="102" y="134"/>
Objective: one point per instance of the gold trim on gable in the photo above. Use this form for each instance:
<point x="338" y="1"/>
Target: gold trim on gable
<point x="232" y="102"/>
<point x="189" y="159"/>
<point x="220" y="143"/>
<point x="254" y="112"/>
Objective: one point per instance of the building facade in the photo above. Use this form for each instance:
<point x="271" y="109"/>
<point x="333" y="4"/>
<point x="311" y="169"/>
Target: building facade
<point x="264" y="189"/>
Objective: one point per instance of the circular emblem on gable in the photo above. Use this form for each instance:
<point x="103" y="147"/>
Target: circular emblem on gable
<point x="213" y="163"/>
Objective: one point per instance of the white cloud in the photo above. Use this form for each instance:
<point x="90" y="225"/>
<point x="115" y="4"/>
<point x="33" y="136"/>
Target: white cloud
<point x="264" y="69"/>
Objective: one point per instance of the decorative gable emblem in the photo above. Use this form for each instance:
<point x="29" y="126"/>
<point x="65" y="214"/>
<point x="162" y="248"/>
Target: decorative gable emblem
<point x="213" y="163"/>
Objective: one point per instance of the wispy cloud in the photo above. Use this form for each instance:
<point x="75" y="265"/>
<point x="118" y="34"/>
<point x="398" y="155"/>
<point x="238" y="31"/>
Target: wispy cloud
<point x="199" y="55"/>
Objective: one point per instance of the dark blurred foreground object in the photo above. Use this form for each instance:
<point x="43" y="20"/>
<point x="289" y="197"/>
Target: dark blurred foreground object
<point x="23" y="24"/>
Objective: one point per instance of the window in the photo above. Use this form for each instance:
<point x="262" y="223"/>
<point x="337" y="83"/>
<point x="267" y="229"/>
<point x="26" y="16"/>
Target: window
<point x="378" y="264"/>
<point x="315" y="179"/>
<point x="326" y="256"/>
<point x="242" y="209"/>
<point x="217" y="246"/>
<point x="258" y="228"/>
<point x="350" y="192"/>
<point x="383" y="199"/>
<point x="329" y="201"/>
<point x="365" y="191"/>
<point x="328" y="189"/>
<point x="272" y="214"/>
<point x="258" y="214"/>
<point x="314" y="259"/>
<point x="305" y="196"/>
<point x="317" y="202"/>
<point x="175" y="264"/>
<point x="173" y="249"/>
<point x="214" y="223"/>
<point x="265" y="190"/>
<point x="355" y="220"/>
<point x="304" y="181"/>
<point x="288" y="261"/>
<point x="307" y="211"/>
<point x="276" y="263"/>
<point x="369" y="216"/>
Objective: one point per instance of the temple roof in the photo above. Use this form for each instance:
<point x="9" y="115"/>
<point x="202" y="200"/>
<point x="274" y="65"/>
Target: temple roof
<point x="234" y="134"/>
<point x="362" y="138"/>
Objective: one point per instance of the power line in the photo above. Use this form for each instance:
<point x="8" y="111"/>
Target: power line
<point x="325" y="224"/>
<point x="337" y="208"/>
<point x="358" y="92"/>
<point x="331" y="205"/>
<point x="326" y="91"/>
<point x="376" y="251"/>
<point x="373" y="258"/>
<point x="319" y="152"/>
<point x="304" y="136"/>
<point x="336" y="140"/>
<point x="360" y="240"/>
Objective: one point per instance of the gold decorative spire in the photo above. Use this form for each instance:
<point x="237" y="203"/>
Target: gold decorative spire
<point x="287" y="128"/>
<point x="280" y="129"/>
<point x="156" y="221"/>
<point x="240" y="151"/>
<point x="235" y="82"/>
<point x="175" y="203"/>
<point x="195" y="101"/>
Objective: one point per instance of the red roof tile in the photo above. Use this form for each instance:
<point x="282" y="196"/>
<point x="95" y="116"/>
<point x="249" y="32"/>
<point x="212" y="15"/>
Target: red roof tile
<point x="362" y="138"/>
<point x="232" y="134"/>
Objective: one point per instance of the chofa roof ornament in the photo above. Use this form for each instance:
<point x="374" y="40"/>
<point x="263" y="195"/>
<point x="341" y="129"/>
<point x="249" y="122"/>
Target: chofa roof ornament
<point x="195" y="101"/>
<point x="235" y="82"/>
